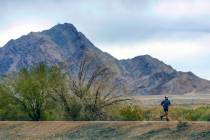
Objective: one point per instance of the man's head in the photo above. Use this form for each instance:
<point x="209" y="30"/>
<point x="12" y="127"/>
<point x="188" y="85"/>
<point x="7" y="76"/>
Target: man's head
<point x="166" y="97"/>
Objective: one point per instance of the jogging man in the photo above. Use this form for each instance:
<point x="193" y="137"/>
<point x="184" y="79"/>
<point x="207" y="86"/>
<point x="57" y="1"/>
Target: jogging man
<point x="165" y="104"/>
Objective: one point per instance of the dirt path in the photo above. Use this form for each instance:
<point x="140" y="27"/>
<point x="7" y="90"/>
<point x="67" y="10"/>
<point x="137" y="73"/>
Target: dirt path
<point x="64" y="130"/>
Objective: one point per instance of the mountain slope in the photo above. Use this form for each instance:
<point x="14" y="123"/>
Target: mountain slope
<point x="63" y="43"/>
<point x="151" y="76"/>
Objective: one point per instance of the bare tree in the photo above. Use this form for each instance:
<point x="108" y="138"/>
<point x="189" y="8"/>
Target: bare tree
<point x="95" y="87"/>
<point x="84" y="95"/>
<point x="61" y="93"/>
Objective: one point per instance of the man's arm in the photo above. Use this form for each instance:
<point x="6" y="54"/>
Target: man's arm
<point x="169" y="103"/>
<point x="162" y="103"/>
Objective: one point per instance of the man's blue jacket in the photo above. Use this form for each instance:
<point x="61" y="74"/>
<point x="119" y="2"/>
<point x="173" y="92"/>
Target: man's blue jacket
<point x="166" y="103"/>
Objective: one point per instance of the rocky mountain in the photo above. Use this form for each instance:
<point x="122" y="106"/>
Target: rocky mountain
<point x="151" y="76"/>
<point x="60" y="43"/>
<point x="142" y="75"/>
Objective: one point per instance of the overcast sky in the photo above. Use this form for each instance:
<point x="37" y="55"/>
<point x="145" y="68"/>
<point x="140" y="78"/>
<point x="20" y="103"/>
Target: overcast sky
<point x="174" y="31"/>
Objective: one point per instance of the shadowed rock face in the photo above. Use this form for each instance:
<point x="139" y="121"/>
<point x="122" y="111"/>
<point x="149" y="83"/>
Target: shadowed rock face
<point x="63" y="43"/>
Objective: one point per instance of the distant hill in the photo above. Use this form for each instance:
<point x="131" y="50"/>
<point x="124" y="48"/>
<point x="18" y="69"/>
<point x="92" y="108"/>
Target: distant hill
<point x="151" y="76"/>
<point x="142" y="75"/>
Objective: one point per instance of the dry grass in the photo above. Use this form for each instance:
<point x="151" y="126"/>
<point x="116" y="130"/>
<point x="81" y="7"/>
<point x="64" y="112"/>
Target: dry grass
<point x="36" y="130"/>
<point x="102" y="130"/>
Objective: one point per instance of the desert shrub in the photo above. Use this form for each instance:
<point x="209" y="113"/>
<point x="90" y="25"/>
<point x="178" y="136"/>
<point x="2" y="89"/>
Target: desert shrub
<point x="151" y="114"/>
<point x="132" y="113"/>
<point x="193" y="115"/>
<point x="179" y="113"/>
<point x="28" y="89"/>
<point x="113" y="112"/>
<point x="137" y="113"/>
<point x="181" y="126"/>
<point x="201" y="114"/>
<point x="147" y="115"/>
<point x="206" y="115"/>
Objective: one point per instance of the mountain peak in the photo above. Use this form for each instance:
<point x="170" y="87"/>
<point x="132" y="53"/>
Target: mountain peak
<point x="68" y="27"/>
<point x="63" y="34"/>
<point x="143" y="57"/>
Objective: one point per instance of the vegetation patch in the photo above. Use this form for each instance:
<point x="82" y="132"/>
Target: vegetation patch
<point x="45" y="92"/>
<point x="181" y="126"/>
<point x="96" y="132"/>
<point x="157" y="134"/>
<point x="200" y="135"/>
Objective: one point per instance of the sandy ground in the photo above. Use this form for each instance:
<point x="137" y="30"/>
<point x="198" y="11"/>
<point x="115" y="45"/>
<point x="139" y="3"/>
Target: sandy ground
<point x="66" y="130"/>
<point x="35" y="130"/>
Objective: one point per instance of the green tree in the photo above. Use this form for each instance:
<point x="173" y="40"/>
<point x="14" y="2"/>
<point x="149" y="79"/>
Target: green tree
<point x="29" y="89"/>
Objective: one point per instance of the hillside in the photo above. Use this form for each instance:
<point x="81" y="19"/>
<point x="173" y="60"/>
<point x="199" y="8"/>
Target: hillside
<point x="142" y="75"/>
<point x="151" y="76"/>
<point x="104" y="130"/>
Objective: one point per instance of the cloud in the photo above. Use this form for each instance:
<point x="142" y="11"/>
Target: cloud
<point x="182" y="8"/>
<point x="164" y="50"/>
<point x="183" y="54"/>
<point x="111" y="21"/>
<point x="24" y="27"/>
<point x="175" y="31"/>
